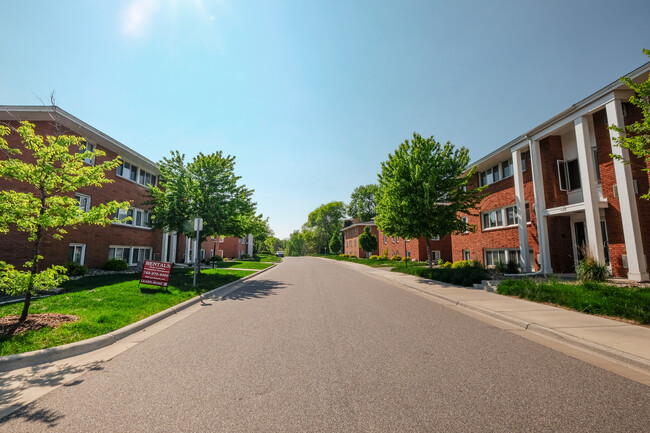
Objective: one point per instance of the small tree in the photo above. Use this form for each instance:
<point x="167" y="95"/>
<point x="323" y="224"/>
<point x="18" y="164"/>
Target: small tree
<point x="636" y="137"/>
<point x="423" y="191"/>
<point x="51" y="171"/>
<point x="368" y="241"/>
<point x="335" y="243"/>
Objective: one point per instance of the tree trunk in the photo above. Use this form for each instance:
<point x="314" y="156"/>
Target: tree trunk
<point x="429" y="255"/>
<point x="35" y="267"/>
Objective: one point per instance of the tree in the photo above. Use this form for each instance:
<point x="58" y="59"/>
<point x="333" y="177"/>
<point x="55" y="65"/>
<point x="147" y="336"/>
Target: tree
<point x="323" y="222"/>
<point x="423" y="191"/>
<point x="362" y="202"/>
<point x="258" y="226"/>
<point x="207" y="188"/>
<point x="294" y="244"/>
<point x="51" y="170"/>
<point x="368" y="241"/>
<point x="335" y="243"/>
<point x="636" y="137"/>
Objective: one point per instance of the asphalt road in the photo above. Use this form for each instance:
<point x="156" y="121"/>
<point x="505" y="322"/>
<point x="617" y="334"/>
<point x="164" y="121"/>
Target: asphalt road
<point x="315" y="346"/>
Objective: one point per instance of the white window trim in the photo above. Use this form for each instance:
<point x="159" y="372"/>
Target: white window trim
<point x="78" y="196"/>
<point x="490" y="178"/>
<point x="139" y="172"/>
<point x="133" y="221"/>
<point x="83" y="251"/>
<point x="504" y="217"/>
<point x="89" y="147"/>
<point x="130" y="261"/>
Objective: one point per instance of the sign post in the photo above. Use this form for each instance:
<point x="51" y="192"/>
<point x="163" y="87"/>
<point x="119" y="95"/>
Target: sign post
<point x="155" y="273"/>
<point x="198" y="226"/>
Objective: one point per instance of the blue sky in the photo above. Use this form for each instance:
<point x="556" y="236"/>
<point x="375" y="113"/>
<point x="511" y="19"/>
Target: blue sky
<point x="311" y="96"/>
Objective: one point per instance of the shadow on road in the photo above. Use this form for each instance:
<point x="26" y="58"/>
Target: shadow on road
<point x="255" y="289"/>
<point x="12" y="383"/>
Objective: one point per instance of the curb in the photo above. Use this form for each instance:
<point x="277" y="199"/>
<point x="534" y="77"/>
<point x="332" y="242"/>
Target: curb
<point x="553" y="334"/>
<point x="42" y="356"/>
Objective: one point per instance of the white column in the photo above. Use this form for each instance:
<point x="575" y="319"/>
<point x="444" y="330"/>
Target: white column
<point x="188" y="246"/>
<point x="165" y="243"/>
<point x="589" y="191"/>
<point x="540" y="208"/>
<point x="250" y="245"/>
<point x="521" y="211"/>
<point x="637" y="266"/>
<point x="172" y="253"/>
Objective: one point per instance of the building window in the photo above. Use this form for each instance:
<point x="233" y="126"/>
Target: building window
<point x="594" y="157"/>
<point x="87" y="147"/>
<point x="83" y="201"/>
<point x="435" y="238"/>
<point x="569" y="174"/>
<point x="133" y="217"/>
<point x="116" y="252"/>
<point x="131" y="172"/>
<point x="466" y="255"/>
<point x="466" y="221"/>
<point x="495" y="218"/>
<point x="132" y="255"/>
<point x="76" y="253"/>
<point x="506" y="167"/>
<point x="384" y="239"/>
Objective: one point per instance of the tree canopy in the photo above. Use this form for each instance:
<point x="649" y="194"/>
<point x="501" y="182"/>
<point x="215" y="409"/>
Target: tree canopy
<point x="322" y="223"/>
<point x="50" y="170"/>
<point x="362" y="202"/>
<point x="636" y="137"/>
<point x="423" y="191"/>
<point x="207" y="188"/>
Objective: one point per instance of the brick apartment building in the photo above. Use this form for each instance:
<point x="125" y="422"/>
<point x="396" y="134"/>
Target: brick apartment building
<point x="553" y="190"/>
<point x="89" y="245"/>
<point x="415" y="249"/>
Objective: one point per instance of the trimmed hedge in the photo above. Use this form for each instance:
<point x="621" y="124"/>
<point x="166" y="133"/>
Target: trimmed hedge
<point x="463" y="276"/>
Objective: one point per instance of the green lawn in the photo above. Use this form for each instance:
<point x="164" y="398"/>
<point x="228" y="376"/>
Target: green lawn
<point x="106" y="303"/>
<point x="373" y="263"/>
<point x="593" y="298"/>
<point x="268" y="258"/>
<point x="246" y="264"/>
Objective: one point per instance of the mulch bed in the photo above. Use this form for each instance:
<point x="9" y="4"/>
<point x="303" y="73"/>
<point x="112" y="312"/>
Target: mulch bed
<point x="9" y="325"/>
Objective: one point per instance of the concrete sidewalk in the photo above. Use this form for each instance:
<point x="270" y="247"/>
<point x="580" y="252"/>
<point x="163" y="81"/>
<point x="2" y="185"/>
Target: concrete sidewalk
<point x="613" y="339"/>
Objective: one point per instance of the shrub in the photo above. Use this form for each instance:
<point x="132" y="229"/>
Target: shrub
<point x="589" y="269"/>
<point x="511" y="267"/>
<point x="464" y="276"/>
<point x="115" y="265"/>
<point x="373" y="257"/>
<point x="466" y="264"/>
<point x="396" y="258"/>
<point x="384" y="255"/>
<point x="406" y="259"/>
<point x="351" y="256"/>
<point x="216" y="259"/>
<point x="445" y="265"/>
<point x="343" y="256"/>
<point x="245" y="256"/>
<point x="73" y="269"/>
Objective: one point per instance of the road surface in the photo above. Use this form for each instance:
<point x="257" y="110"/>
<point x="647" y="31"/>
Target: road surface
<point x="313" y="345"/>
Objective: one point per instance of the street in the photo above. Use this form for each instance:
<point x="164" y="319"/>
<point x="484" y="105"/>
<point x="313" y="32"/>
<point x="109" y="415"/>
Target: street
<point x="312" y="345"/>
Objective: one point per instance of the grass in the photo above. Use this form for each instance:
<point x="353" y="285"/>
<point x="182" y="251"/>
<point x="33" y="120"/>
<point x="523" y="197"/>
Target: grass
<point x="594" y="298"/>
<point x="373" y="263"/>
<point x="106" y="303"/>
<point x="269" y="258"/>
<point x="243" y="265"/>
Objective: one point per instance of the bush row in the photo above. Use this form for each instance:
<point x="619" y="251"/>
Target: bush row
<point x="463" y="273"/>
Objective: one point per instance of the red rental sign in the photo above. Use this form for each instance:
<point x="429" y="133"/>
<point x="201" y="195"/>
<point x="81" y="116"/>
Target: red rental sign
<point x="155" y="273"/>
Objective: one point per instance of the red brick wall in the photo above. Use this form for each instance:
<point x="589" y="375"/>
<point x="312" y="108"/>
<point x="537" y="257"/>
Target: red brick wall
<point x="351" y="240"/>
<point x="501" y="194"/>
<point x="550" y="149"/>
<point x="16" y="250"/>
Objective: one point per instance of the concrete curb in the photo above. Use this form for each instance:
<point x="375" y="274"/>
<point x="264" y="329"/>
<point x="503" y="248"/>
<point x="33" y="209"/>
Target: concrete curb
<point x="553" y="334"/>
<point x="29" y="359"/>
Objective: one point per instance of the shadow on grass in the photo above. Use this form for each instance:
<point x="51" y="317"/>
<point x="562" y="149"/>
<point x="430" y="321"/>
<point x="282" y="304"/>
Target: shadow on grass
<point x="37" y="376"/>
<point x="256" y="289"/>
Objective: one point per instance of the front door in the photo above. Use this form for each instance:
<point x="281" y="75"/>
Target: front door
<point x="580" y="239"/>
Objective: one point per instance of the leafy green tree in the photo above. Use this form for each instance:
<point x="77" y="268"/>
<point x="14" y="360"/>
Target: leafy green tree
<point x="294" y="244"/>
<point x="207" y="188"/>
<point x="362" y="202"/>
<point x="272" y="244"/>
<point x="335" y="243"/>
<point x="323" y="222"/>
<point x="259" y="227"/>
<point x="423" y="191"/>
<point x="50" y="170"/>
<point x="636" y="137"/>
<point x="368" y="241"/>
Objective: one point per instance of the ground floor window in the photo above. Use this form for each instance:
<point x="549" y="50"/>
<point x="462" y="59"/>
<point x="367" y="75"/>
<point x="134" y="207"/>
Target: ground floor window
<point x="132" y="255"/>
<point x="435" y="255"/>
<point x="494" y="256"/>
<point x="465" y="254"/>
<point x="76" y="253"/>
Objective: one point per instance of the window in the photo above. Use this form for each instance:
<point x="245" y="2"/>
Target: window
<point x="506" y="166"/>
<point x="87" y="147"/>
<point x="495" y="173"/>
<point x="569" y="174"/>
<point x="392" y="239"/>
<point x="136" y="217"/>
<point x="466" y="255"/>
<point x="132" y="255"/>
<point x="435" y="238"/>
<point x="83" y="201"/>
<point x="119" y="253"/>
<point x="495" y="218"/>
<point x="131" y="172"/>
<point x="466" y="221"/>
<point x="594" y="157"/>
<point x="76" y="253"/>
<point x="384" y="239"/>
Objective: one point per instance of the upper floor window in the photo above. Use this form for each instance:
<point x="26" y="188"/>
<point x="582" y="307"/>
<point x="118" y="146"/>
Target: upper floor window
<point x="466" y="221"/>
<point x="83" y="201"/>
<point x="503" y="217"/>
<point x="569" y="174"/>
<point x="132" y="172"/>
<point x="502" y="170"/>
<point x="134" y="217"/>
<point x="87" y="147"/>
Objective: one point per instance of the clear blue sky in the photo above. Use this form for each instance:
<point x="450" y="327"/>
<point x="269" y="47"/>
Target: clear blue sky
<point x="311" y="96"/>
